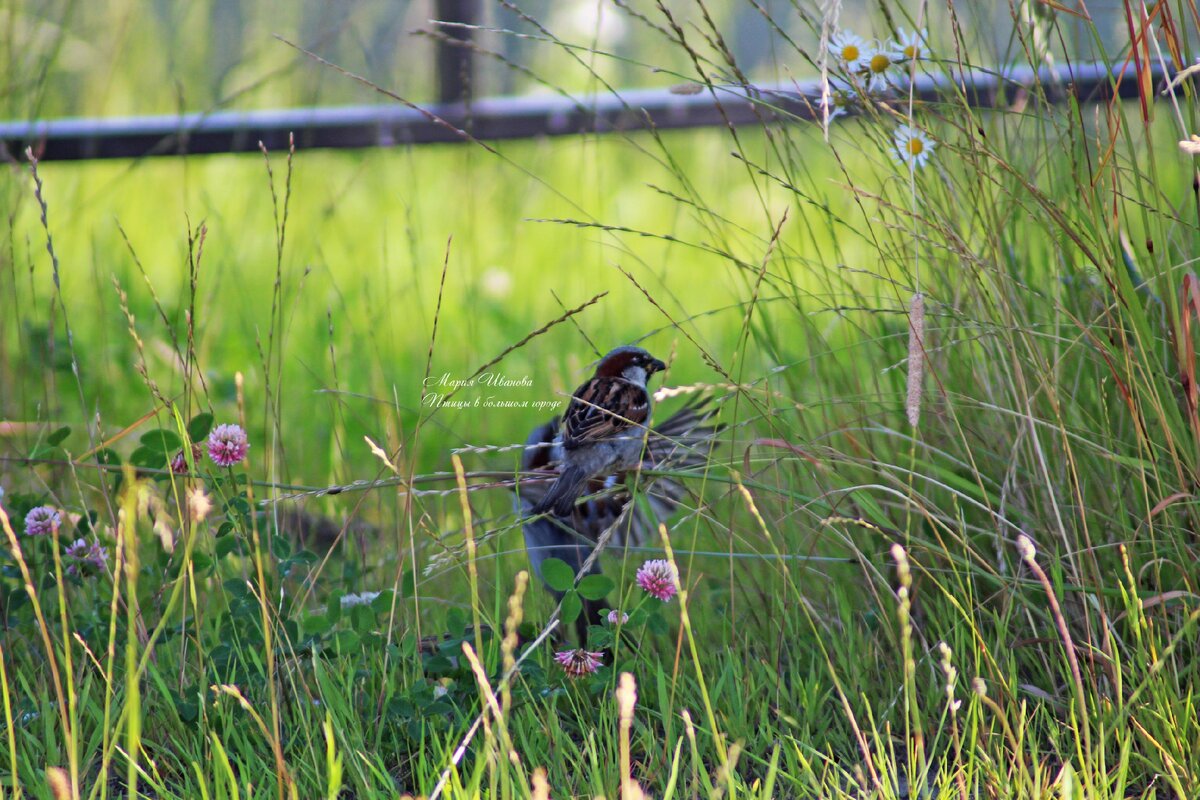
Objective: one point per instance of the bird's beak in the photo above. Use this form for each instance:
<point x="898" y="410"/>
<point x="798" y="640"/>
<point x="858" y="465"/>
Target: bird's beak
<point x="657" y="366"/>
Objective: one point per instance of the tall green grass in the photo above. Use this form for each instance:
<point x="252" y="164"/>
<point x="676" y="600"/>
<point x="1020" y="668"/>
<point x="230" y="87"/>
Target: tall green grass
<point x="948" y="538"/>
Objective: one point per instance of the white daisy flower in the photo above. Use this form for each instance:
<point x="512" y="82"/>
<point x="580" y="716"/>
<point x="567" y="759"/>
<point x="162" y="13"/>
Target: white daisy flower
<point x="881" y="64"/>
<point x="848" y="48"/>
<point x="841" y="95"/>
<point x="831" y="109"/>
<point x="360" y="599"/>
<point x="913" y="146"/>
<point x="910" y="46"/>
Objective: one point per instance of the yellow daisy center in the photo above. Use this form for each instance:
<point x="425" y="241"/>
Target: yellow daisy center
<point x="880" y="62"/>
<point x="912" y="51"/>
<point x="915" y="147"/>
<point x="850" y="52"/>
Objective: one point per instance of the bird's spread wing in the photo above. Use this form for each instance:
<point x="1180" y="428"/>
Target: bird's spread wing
<point x="682" y="442"/>
<point x="604" y="407"/>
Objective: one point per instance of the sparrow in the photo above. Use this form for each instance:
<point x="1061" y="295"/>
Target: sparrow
<point x="683" y="442"/>
<point x="604" y="426"/>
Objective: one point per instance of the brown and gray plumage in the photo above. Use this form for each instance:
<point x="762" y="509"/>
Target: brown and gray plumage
<point x="603" y="429"/>
<point x="681" y="443"/>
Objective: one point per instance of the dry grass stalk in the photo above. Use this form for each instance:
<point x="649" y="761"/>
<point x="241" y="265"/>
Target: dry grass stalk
<point x="626" y="700"/>
<point x="916" y="358"/>
<point x="541" y="787"/>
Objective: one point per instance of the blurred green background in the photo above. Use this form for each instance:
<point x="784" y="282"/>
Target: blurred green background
<point x="72" y="58"/>
<point x="368" y="232"/>
<point x="129" y="57"/>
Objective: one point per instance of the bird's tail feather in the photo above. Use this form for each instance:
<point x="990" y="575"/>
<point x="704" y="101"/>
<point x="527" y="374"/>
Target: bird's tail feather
<point x="560" y="499"/>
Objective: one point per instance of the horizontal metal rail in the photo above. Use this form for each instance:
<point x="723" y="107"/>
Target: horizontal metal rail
<point x="496" y="118"/>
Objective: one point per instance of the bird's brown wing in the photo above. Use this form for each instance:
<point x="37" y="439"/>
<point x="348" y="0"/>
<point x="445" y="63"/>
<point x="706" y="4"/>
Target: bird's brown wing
<point x="604" y="407"/>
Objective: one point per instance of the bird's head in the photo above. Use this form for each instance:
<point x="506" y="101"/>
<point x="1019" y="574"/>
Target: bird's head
<point x="631" y="363"/>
